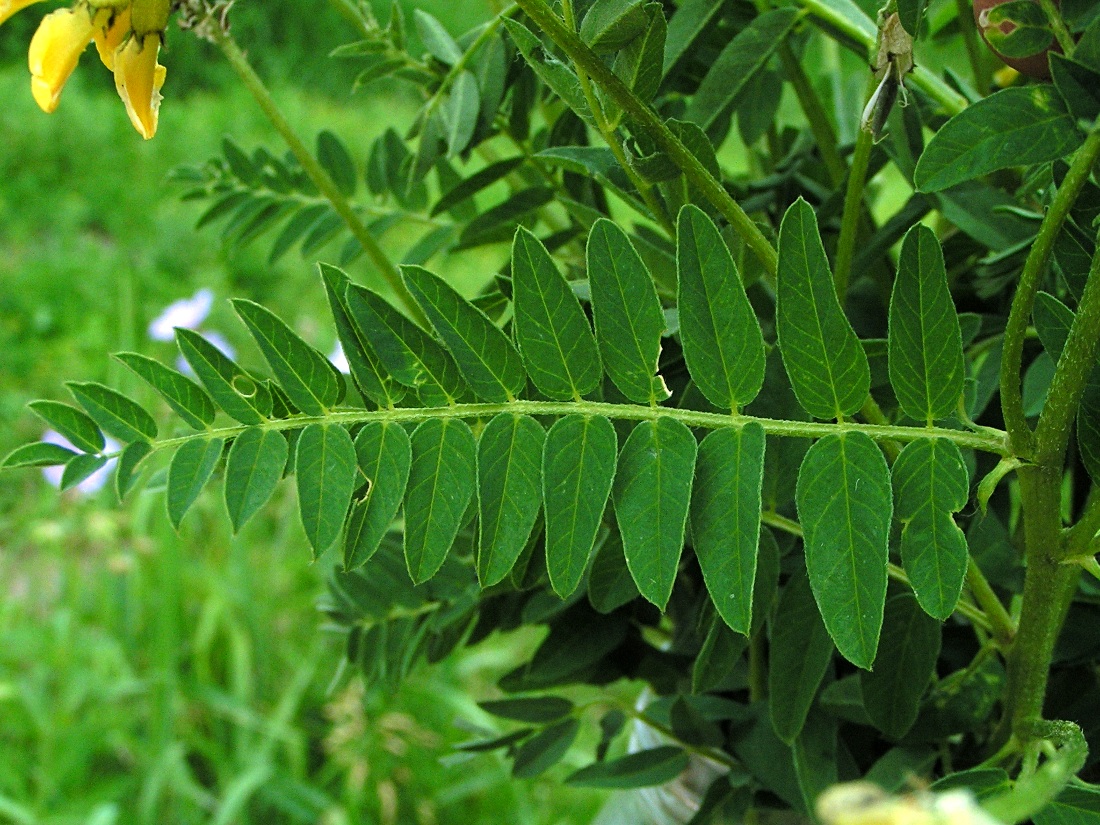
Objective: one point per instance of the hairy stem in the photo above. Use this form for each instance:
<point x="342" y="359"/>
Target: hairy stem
<point x="1012" y="404"/>
<point x="239" y="61"/>
<point x="642" y="114"/>
<point x="1003" y="628"/>
<point x="1058" y="25"/>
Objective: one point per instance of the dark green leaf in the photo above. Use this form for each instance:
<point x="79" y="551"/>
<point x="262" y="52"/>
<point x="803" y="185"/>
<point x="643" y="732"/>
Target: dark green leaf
<point x="485" y="356"/>
<point x="910" y="13"/>
<point x="725" y="518"/>
<point x="652" y="492"/>
<point x="498" y="224"/>
<point x="1074" y="806"/>
<point x="844" y="505"/>
<point x="723" y="346"/>
<point x="628" y="316"/>
<point x="408" y="353"/>
<point x="79" y="467"/>
<point x="738" y="63"/>
<point x="815" y="757"/>
<point x="183" y="395"/>
<point x="1013" y="127"/>
<point x="578" y="466"/>
<point x="509" y="483"/>
<point x="718" y="657"/>
<point x="191" y="468"/>
<point x="931" y="483"/>
<point x="230" y="386"/>
<point x="824" y="359"/>
<point x="126" y="472"/>
<point x="255" y="464"/>
<point x="385" y="456"/>
<point x="38" y="454"/>
<point x="73" y="424"/>
<point x="544" y="749"/>
<point x="369" y="375"/>
<point x="610" y="585"/>
<point x="333" y="155"/>
<point x="304" y="374"/>
<point x="638" y="770"/>
<point x="460" y="111"/>
<point x="559" y="349"/>
<point x="689" y="22"/>
<point x="904" y="666"/>
<point x="1018" y="28"/>
<point x="1079" y="86"/>
<point x="295" y="229"/>
<point x="611" y="24"/>
<point x="639" y="64"/>
<point x="926" y="354"/>
<point x="325" y="469"/>
<point x="534" y="709"/>
<point x="441" y="484"/>
<point x="466" y="188"/>
<point x="116" y="414"/>
<point x="798" y="656"/>
<point x="555" y="74"/>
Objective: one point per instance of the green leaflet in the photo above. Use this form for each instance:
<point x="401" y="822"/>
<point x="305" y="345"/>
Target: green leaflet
<point x="459" y="112"/>
<point x="183" y="395"/>
<point x="578" y="466"/>
<point x="1013" y="127"/>
<point x="230" y="386"/>
<point x="725" y="518"/>
<point x="723" y="345"/>
<point x="325" y="469"/>
<point x="191" y="468"/>
<point x="628" y="316"/>
<point x="38" y="454"/>
<point x="558" y="347"/>
<point x="798" y="656"/>
<point x="910" y="13"/>
<point x="652" y="492"/>
<point x="255" y="464"/>
<point x="486" y="358"/>
<point x="555" y="74"/>
<point x="126" y="472"/>
<point x="925" y="342"/>
<point x="611" y="24"/>
<point x="334" y="156"/>
<point x="639" y="64"/>
<point x="903" y="667"/>
<point x="845" y="504"/>
<point x="436" y="39"/>
<point x="534" y="709"/>
<point x="733" y="69"/>
<point x="509" y="482"/>
<point x="384" y="454"/>
<point x="466" y="188"/>
<point x="369" y="376"/>
<point x="305" y="375"/>
<point x="73" y="424"/>
<point x="637" y="770"/>
<point x="116" y="414"/>
<point x="408" y="353"/>
<point x="609" y="583"/>
<point x="441" y="484"/>
<point x="824" y="359"/>
<point x="78" y="468"/>
<point x="815" y="756"/>
<point x="545" y="748"/>
<point x="930" y="483"/>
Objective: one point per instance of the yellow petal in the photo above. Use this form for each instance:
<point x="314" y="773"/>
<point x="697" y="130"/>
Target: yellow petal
<point x="109" y="36"/>
<point x="139" y="78"/>
<point x="10" y="7"/>
<point x="54" y="52"/>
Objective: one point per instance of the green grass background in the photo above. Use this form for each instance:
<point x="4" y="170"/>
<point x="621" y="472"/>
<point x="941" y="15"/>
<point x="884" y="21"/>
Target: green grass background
<point x="149" y="677"/>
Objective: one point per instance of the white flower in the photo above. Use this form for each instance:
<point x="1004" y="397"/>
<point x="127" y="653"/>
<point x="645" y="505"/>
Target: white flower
<point x="187" y="313"/>
<point x="339" y="359"/>
<point x="93" y="483"/>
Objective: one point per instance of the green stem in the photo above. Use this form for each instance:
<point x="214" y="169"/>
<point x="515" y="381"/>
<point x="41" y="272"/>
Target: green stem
<point x="974" y="52"/>
<point x="822" y="129"/>
<point x="1058" y="25"/>
<point x="239" y="61"/>
<point x="990" y="441"/>
<point x="1071" y="375"/>
<point x="611" y="138"/>
<point x="1012" y="404"/>
<point x="647" y="119"/>
<point x="853" y="206"/>
<point x="1048" y="587"/>
<point x="1080" y="536"/>
<point x="1004" y="629"/>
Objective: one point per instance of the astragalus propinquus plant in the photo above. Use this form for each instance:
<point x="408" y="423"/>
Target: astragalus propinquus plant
<point x="776" y="406"/>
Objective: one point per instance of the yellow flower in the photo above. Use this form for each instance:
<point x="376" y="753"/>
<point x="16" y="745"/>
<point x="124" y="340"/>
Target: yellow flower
<point x="128" y="35"/>
<point x="139" y="78"/>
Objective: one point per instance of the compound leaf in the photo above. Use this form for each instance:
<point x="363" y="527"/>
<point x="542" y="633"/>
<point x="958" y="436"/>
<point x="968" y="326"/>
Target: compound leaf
<point x="384" y="454"/>
<point x="191" y="468"/>
<point x="255" y="464"/>
<point x="324" y="465"/>
<point x="116" y="414"/>
<point x="183" y="395"/>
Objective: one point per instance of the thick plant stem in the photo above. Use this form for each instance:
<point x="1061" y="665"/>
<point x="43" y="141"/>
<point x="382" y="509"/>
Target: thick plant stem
<point x="1012" y="403"/>
<point x="1048" y="588"/>
<point x="853" y="206"/>
<point x="1061" y="33"/>
<point x="239" y="61"/>
<point x="642" y="114"/>
<point x="974" y="51"/>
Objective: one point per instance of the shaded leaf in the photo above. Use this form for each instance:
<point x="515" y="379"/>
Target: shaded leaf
<point x="534" y="709"/>
<point x="466" y="188"/>
<point x="460" y="112"/>
<point x="544" y="749"/>
<point x="80" y="467"/>
<point x="610" y="585"/>
<point x="637" y="770"/>
<point x="333" y="155"/>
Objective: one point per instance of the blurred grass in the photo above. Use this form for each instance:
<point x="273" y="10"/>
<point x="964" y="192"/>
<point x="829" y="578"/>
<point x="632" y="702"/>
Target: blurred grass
<point x="147" y="677"/>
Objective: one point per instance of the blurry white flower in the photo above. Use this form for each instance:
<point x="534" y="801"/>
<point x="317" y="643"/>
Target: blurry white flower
<point x="187" y="313"/>
<point x="92" y="483"/>
<point x="339" y="359"/>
